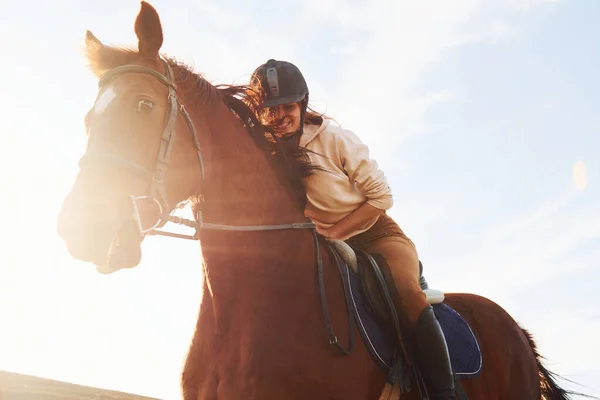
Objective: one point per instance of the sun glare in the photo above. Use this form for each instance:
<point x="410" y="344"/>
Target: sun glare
<point x="580" y="175"/>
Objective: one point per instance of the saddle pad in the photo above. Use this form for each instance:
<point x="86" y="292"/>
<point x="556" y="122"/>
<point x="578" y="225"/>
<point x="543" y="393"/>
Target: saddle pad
<point x="465" y="355"/>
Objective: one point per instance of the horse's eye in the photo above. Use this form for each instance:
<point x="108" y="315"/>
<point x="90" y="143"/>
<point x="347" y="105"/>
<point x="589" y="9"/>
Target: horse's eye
<point x="145" y="105"/>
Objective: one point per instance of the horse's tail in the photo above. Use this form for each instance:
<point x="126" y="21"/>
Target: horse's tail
<point x="548" y="385"/>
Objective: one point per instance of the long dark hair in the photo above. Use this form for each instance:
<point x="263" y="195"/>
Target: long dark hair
<point x="313" y="117"/>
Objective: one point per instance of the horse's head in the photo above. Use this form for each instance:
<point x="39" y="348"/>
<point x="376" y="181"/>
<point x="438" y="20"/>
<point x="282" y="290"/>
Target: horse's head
<point x="133" y="168"/>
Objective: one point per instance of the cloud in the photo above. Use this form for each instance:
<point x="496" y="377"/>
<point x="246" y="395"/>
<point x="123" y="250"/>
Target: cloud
<point x="503" y="31"/>
<point x="385" y="49"/>
<point x="526" y="250"/>
<point x="349" y="49"/>
<point x="526" y="5"/>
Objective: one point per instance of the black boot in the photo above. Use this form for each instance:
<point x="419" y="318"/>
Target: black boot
<point x="432" y="358"/>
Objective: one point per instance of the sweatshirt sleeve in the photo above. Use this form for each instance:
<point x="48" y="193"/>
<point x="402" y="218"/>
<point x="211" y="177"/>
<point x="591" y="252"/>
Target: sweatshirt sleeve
<point x="363" y="171"/>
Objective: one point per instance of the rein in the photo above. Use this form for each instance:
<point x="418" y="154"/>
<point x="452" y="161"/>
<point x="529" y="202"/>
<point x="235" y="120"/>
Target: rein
<point x="157" y="188"/>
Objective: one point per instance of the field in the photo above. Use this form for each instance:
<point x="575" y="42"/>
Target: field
<point x="24" y="387"/>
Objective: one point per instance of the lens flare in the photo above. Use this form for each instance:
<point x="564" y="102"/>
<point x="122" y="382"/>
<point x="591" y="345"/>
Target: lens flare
<point x="580" y="175"/>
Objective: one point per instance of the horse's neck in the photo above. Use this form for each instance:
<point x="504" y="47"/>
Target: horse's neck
<point x="243" y="268"/>
<point x="242" y="188"/>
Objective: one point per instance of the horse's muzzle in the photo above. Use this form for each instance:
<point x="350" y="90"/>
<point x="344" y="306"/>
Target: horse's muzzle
<point x="111" y="242"/>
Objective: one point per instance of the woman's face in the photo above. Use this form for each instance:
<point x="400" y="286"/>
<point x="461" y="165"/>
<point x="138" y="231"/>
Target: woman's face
<point x="285" y="117"/>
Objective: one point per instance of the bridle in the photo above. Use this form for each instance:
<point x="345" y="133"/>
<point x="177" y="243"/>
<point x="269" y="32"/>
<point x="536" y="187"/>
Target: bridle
<point x="156" y="177"/>
<point x="157" y="186"/>
<point x="157" y="192"/>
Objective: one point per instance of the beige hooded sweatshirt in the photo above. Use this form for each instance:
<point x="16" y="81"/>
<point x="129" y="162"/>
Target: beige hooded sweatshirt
<point x="351" y="177"/>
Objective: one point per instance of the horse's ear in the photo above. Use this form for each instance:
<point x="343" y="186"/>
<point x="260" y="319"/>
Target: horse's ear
<point x="91" y="40"/>
<point x="149" y="32"/>
<point x="93" y="51"/>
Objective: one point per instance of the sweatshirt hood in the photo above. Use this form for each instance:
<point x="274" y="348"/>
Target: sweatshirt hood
<point x="312" y="131"/>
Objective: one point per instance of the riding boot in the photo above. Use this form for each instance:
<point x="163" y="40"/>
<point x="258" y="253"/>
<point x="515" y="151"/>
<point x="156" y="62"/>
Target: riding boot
<point x="432" y="358"/>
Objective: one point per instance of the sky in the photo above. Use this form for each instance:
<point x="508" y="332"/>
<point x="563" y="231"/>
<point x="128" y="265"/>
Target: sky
<point x="483" y="115"/>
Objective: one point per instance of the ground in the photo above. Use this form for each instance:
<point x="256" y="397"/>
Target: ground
<point x="24" y="387"/>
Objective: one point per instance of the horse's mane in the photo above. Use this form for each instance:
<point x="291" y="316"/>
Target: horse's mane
<point x="291" y="163"/>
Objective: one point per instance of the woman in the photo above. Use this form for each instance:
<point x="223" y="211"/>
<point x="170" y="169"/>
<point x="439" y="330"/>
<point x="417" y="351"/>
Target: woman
<point x="347" y="199"/>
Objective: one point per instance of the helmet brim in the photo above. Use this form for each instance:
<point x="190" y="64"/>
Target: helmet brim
<point x="282" y="100"/>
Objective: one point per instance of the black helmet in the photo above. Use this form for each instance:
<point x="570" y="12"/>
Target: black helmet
<point x="282" y="83"/>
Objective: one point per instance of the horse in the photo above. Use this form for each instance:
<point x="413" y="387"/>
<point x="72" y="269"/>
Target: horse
<point x="259" y="333"/>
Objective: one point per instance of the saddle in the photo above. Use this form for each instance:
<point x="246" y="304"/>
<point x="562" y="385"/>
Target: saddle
<point x="369" y="287"/>
<point x="371" y="282"/>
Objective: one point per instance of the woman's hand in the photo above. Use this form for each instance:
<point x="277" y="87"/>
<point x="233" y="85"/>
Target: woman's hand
<point x="358" y="220"/>
<point x="323" y="232"/>
<point x="330" y="233"/>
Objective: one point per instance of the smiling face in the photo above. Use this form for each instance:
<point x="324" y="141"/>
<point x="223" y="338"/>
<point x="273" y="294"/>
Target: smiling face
<point x="285" y="118"/>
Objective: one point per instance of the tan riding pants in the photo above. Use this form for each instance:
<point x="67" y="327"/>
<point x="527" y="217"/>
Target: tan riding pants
<point x="387" y="239"/>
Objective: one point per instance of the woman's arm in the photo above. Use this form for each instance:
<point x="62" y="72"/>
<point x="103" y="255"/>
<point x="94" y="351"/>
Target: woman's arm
<point x="359" y="219"/>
